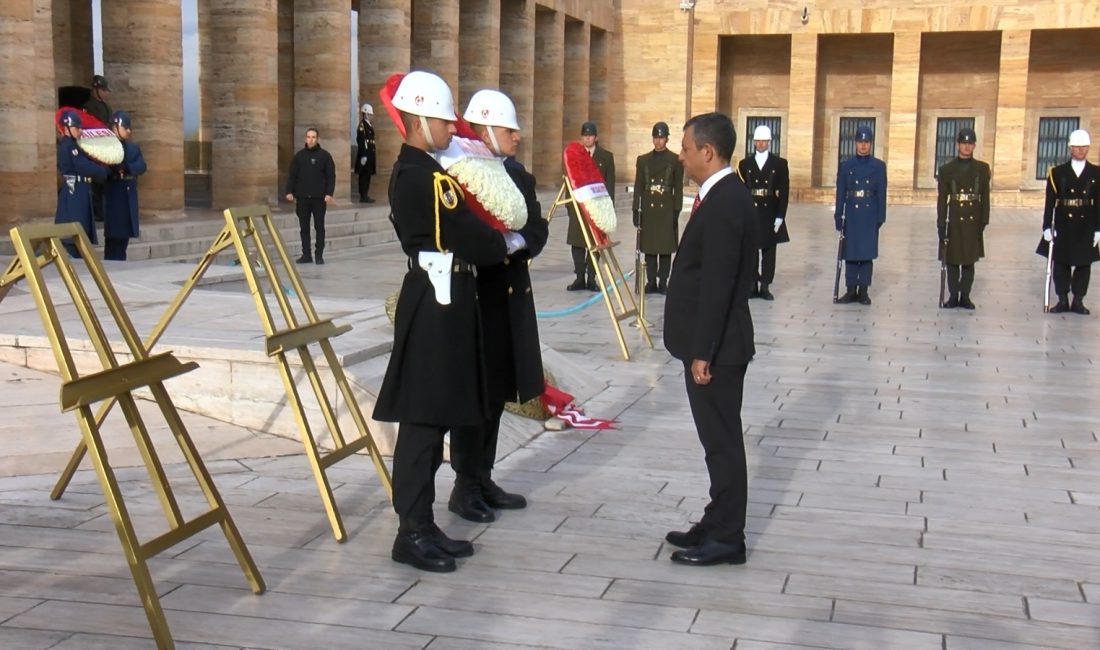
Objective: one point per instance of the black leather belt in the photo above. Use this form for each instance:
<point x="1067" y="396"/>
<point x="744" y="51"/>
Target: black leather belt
<point x="459" y="266"/>
<point x="78" y="179"/>
<point x="860" y="194"/>
<point x="1075" y="203"/>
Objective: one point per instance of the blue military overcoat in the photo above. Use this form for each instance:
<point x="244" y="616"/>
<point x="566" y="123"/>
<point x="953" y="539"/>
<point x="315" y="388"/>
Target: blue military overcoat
<point x="74" y="198"/>
<point x="860" y="205"/>
<point x="120" y="194"/>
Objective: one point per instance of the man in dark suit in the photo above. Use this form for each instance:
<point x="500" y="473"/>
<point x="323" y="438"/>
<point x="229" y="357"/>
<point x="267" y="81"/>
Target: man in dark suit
<point x="709" y="328"/>
<point x="605" y="161"/>
<point x="769" y="180"/>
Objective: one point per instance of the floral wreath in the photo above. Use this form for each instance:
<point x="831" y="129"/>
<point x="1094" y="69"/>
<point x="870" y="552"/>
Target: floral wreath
<point x="96" y="140"/>
<point x="589" y="191"/>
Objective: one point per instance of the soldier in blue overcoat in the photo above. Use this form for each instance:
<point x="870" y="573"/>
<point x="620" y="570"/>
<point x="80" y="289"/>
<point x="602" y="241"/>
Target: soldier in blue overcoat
<point x="78" y="172"/>
<point x="120" y="194"/>
<point x="860" y="212"/>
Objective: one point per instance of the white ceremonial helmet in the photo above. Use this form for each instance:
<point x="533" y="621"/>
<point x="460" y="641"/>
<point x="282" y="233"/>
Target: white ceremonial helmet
<point x="368" y="109"/>
<point x="762" y="132"/>
<point x="426" y="95"/>
<point x="1079" y="138"/>
<point x="492" y="108"/>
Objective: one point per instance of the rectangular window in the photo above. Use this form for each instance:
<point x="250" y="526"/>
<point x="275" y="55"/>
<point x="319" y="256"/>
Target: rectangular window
<point x="846" y="147"/>
<point x="772" y="122"/>
<point x="1053" y="135"/>
<point x="947" y="133"/>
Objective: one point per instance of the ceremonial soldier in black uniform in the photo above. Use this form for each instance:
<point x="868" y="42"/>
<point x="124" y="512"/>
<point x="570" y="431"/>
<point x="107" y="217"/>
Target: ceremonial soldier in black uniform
<point x="365" y="153"/>
<point x="436" y="378"/>
<point x="962" y="213"/>
<point x="120" y="194"/>
<point x="658" y="200"/>
<point x="1072" y="223"/>
<point x="605" y="161"/>
<point x="513" y="355"/>
<point x="769" y="180"/>
<point x="860" y="212"/>
<point x="78" y="172"/>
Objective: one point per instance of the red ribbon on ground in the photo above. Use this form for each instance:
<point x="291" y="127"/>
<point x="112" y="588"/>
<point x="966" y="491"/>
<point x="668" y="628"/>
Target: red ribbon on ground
<point x="560" y="404"/>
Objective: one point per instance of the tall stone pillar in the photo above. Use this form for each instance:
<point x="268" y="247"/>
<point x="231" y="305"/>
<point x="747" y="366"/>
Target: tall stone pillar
<point x="478" y="48"/>
<point x="385" y="47"/>
<point x="1008" y="148"/>
<point x="799" y="129"/>
<point x="576" y="76"/>
<point x="605" y="97"/>
<point x="549" y="80"/>
<point x="901" y="145"/>
<point x="143" y="60"/>
<point x="517" y="71"/>
<point x="435" y="38"/>
<point x="73" y="54"/>
<point x="28" y="157"/>
<point x="241" y="79"/>
<point x="289" y="141"/>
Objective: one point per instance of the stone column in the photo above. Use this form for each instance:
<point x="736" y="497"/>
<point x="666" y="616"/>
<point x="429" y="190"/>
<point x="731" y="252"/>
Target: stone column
<point x="322" y="80"/>
<point x="800" y="114"/>
<point x="385" y="34"/>
<point x="478" y="48"/>
<point x="28" y="157"/>
<point x="605" y="97"/>
<point x="576" y="76"/>
<point x="517" y="71"/>
<point x="549" y="80"/>
<point x="142" y="59"/>
<point x="73" y="55"/>
<point x="901" y="143"/>
<point x="435" y="38"/>
<point x="241" y="79"/>
<point x="1008" y="146"/>
<point x="289" y="142"/>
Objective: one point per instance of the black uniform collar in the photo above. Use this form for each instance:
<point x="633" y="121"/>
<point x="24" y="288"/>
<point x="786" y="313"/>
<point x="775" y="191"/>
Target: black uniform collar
<point x="414" y="156"/>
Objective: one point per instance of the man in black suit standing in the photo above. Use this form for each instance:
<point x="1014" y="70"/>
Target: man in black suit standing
<point x="708" y="326"/>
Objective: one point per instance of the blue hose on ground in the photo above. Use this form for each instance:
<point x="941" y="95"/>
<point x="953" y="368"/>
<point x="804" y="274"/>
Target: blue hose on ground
<point x="557" y="313"/>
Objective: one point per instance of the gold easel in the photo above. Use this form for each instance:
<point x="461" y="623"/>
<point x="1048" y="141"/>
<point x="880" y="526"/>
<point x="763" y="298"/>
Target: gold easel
<point x="36" y="248"/>
<point x="255" y="223"/>
<point x="609" y="275"/>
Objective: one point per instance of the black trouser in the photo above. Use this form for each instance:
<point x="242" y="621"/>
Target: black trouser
<point x="857" y="273"/>
<point x="582" y="261"/>
<point x="658" y="266"/>
<point x="716" y="408"/>
<point x="960" y="279"/>
<point x="1077" y="279"/>
<point x="114" y="248"/>
<point x="364" y="185"/>
<point x="305" y="207"/>
<point x="417" y="455"/>
<point x="767" y="266"/>
<point x="474" y="448"/>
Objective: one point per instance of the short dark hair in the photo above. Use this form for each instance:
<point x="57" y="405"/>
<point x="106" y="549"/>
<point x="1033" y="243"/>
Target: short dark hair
<point x="715" y="129"/>
<point x="407" y="120"/>
<point x="315" y="131"/>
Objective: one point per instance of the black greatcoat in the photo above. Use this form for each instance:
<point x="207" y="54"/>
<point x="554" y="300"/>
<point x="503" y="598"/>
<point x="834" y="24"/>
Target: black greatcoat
<point x="605" y="161"/>
<point x="771" y="192"/>
<point x="513" y="355"/>
<point x="1072" y="207"/>
<point x="436" y="374"/>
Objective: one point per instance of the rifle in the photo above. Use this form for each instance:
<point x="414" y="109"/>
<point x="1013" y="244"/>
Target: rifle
<point x="1050" y="271"/>
<point x="839" y="260"/>
<point x="943" y="245"/>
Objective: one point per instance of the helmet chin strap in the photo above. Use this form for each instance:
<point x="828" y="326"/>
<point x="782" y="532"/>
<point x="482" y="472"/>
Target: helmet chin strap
<point x="427" y="133"/>
<point x="493" y="139"/>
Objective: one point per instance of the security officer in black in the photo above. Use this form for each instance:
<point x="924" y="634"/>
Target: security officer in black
<point x="658" y="200"/>
<point x="768" y="178"/>
<point x="962" y="213"/>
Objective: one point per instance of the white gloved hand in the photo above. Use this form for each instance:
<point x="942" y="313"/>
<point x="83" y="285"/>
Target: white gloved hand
<point x="363" y="160"/>
<point x="840" y="234"/>
<point x="514" y="241"/>
<point x="1047" y="235"/>
<point x="778" y="223"/>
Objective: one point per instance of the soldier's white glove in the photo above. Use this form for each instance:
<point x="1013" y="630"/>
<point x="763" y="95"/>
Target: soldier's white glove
<point x="1047" y="235"/>
<point x="1096" y="239"/>
<point x="514" y="241"/>
<point x="840" y="234"/>
<point x="363" y="160"/>
<point x="778" y="223"/>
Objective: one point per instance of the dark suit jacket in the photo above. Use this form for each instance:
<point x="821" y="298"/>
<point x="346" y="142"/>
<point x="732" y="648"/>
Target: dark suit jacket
<point x="707" y="309"/>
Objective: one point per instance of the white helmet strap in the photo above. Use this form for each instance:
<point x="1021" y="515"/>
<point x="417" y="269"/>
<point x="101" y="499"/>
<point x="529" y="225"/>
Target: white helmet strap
<point x="427" y="133"/>
<point x="493" y="139"/>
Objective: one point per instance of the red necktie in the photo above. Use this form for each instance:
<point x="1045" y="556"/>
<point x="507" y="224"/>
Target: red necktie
<point x="695" y="205"/>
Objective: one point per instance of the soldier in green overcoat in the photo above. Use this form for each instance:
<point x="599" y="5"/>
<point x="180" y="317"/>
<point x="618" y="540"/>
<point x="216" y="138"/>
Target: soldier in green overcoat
<point x="658" y="200"/>
<point x="962" y="213"/>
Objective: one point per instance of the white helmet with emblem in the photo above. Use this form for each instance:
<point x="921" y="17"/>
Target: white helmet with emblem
<point x="1079" y="138"/>
<point x="426" y="95"/>
<point x="492" y="108"/>
<point x="762" y="132"/>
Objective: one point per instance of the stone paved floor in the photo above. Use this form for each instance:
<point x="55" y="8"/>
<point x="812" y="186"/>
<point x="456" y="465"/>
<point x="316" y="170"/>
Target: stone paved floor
<point x="919" y="478"/>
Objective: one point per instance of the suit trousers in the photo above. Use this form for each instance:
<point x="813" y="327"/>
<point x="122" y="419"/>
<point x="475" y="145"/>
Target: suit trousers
<point x="474" y="448"/>
<point x="767" y="266"/>
<point x="716" y="408"/>
<point x="417" y="456"/>
<point x="960" y="279"/>
<point x="858" y="273"/>
<point x="306" y="207"/>
<point x="1077" y="279"/>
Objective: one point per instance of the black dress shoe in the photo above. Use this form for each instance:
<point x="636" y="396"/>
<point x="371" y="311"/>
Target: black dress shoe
<point x="951" y="303"/>
<point x="965" y="303"/>
<point x="452" y="547"/>
<point x="466" y="502"/>
<point x="709" y="553"/>
<point x="688" y="538"/>
<point x="305" y="259"/>
<point x="651" y="287"/>
<point x="1063" y="305"/>
<point x="863" y="296"/>
<point x="319" y="259"/>
<point x="765" y="294"/>
<point x="496" y="497"/>
<point x="1079" y="307"/>
<point x="419" y="549"/>
<point x="848" y="297"/>
<point x="578" y="285"/>
<point x="662" y="286"/>
<point x="592" y="286"/>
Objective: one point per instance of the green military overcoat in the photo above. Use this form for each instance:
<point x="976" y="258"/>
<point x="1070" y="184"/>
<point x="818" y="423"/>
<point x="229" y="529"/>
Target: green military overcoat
<point x="658" y="200"/>
<point x="962" y="211"/>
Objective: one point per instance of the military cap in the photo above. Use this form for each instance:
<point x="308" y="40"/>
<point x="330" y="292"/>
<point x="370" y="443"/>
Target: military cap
<point x="967" y="136"/>
<point x="99" y="81"/>
<point x="762" y="132"/>
<point x="1079" y="138"/>
<point x="69" y="118"/>
<point x="121" y="118"/>
<point x="589" y="128"/>
<point x="660" y="130"/>
<point x="864" y="134"/>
